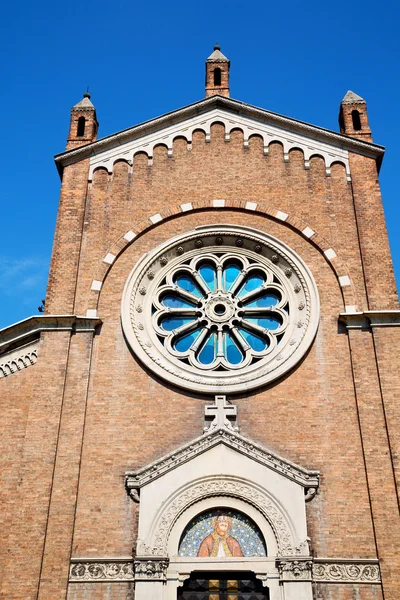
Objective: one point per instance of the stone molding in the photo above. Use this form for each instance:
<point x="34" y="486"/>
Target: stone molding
<point x="154" y="568"/>
<point x="309" y="479"/>
<point x="369" y="319"/>
<point x="19" y="333"/>
<point x="227" y="486"/>
<point x="232" y="110"/>
<point x="19" y="359"/>
<point x="102" y="569"/>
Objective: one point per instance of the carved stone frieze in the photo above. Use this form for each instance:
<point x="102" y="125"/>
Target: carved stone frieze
<point x="153" y="569"/>
<point x="343" y="571"/>
<point x="101" y="570"/>
<point x="329" y="570"/>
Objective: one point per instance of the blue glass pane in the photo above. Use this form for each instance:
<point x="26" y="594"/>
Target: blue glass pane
<point x="186" y="341"/>
<point x="229" y="276"/>
<point x="187" y="283"/>
<point x="170" y="323"/>
<point x="265" y="322"/>
<point x="209" y="275"/>
<point x="172" y="301"/>
<point x="255" y="342"/>
<point x="231" y="350"/>
<point x="252" y="283"/>
<point x="209" y="350"/>
<point x="269" y="299"/>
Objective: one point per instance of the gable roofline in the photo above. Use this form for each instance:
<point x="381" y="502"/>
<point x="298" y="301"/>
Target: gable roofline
<point x="235" y="107"/>
<point x="304" y="477"/>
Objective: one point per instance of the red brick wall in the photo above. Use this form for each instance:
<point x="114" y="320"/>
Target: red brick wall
<point x="121" y="417"/>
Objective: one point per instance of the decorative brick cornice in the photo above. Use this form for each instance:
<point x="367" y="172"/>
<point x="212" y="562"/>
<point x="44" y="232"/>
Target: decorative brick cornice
<point x="20" y="333"/>
<point x="370" y="319"/>
<point x="234" y="107"/>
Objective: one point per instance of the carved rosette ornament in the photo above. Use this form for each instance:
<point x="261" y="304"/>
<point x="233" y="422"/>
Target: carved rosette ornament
<point x="221" y="307"/>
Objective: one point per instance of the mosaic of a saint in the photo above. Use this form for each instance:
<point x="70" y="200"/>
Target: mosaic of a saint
<point x="219" y="543"/>
<point x="220" y="533"/>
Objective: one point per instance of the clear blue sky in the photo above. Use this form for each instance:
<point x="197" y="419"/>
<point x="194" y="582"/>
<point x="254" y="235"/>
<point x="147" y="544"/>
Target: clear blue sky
<point x="142" y="59"/>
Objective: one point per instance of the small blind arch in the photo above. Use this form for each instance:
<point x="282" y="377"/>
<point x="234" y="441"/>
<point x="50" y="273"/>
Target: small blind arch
<point x="355" y="116"/>
<point x="81" y="127"/>
<point x="217" y="76"/>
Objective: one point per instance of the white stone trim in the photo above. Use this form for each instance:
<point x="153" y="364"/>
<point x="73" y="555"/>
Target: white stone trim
<point x="330" y="254"/>
<point x="308" y="232"/>
<point x="251" y="205"/>
<point x="156" y="218"/>
<point x="186" y="207"/>
<point x="344" y="281"/>
<point x="96" y="285"/>
<point x="369" y="318"/>
<point x="218" y="203"/>
<point x="109" y="258"/>
<point x="91" y="313"/>
<point x="282" y="216"/>
<point x="129" y="236"/>
<point x="350" y="309"/>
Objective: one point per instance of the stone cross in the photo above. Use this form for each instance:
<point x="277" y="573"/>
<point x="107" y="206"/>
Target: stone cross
<point x="223" y="413"/>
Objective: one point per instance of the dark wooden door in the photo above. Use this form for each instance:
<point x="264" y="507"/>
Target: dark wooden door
<point x="223" y="586"/>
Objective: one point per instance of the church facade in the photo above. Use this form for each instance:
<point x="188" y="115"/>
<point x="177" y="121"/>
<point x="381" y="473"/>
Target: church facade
<point x="208" y="408"/>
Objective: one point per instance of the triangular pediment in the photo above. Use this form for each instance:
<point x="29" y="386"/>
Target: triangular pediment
<point x="233" y="440"/>
<point x="233" y="114"/>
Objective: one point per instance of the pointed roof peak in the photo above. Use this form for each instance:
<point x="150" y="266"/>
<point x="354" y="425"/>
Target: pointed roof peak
<point x="217" y="54"/>
<point x="352" y="98"/>
<point x="85" y="102"/>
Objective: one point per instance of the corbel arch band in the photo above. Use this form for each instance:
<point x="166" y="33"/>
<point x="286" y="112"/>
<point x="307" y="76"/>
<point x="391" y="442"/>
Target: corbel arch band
<point x="261" y="208"/>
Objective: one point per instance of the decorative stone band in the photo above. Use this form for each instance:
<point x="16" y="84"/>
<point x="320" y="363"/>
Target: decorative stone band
<point x="370" y="319"/>
<point x="316" y="570"/>
<point x="103" y="569"/>
<point x="329" y="570"/>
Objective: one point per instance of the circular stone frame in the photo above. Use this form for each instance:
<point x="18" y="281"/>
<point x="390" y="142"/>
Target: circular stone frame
<point x="287" y="269"/>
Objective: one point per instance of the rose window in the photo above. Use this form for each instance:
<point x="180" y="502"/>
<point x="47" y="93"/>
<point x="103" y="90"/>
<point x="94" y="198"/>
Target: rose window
<point x="220" y="312"/>
<point x="220" y="309"/>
